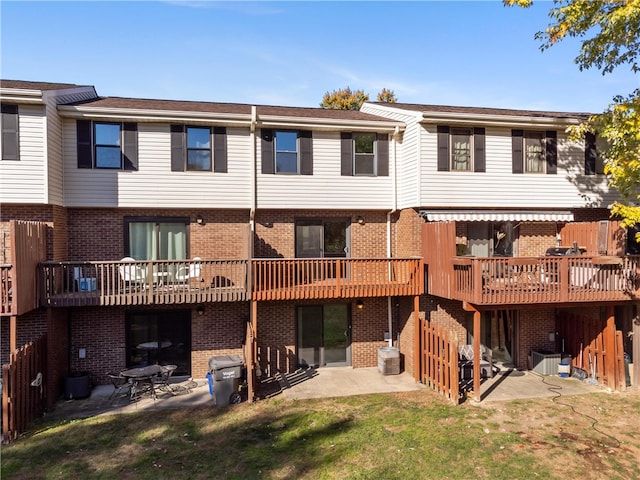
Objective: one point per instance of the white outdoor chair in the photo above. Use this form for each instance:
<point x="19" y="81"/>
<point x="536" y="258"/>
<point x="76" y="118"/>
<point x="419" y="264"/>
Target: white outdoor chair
<point x="189" y="271"/>
<point x="132" y="274"/>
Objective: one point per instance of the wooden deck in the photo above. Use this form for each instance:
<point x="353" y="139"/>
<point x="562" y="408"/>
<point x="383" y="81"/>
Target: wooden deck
<point x="68" y="284"/>
<point x="513" y="281"/>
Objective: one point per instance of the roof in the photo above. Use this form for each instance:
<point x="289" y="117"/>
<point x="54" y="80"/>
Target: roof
<point x="426" y="109"/>
<point x="26" y="85"/>
<point x="225" y="108"/>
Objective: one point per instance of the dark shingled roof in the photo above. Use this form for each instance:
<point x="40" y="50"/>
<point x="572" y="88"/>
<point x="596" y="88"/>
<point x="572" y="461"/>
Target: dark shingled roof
<point x="228" y="108"/>
<point x="483" y="110"/>
<point x="37" y="85"/>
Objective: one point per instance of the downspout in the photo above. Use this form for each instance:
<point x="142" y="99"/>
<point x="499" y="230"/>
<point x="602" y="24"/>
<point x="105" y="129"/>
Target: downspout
<point x="391" y="212"/>
<point x="253" y="308"/>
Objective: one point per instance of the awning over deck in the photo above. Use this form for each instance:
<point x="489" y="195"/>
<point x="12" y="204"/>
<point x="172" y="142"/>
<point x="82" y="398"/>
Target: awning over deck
<point x="496" y="216"/>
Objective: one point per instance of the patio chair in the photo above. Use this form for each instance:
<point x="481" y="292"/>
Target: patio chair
<point x="190" y="271"/>
<point x="161" y="381"/>
<point x="132" y="274"/>
<point x="121" y="387"/>
<point x="466" y="362"/>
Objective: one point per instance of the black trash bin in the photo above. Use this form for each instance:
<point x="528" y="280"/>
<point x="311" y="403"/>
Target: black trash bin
<point x="226" y="372"/>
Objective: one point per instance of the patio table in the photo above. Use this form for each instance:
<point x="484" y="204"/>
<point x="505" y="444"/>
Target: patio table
<point x="143" y="379"/>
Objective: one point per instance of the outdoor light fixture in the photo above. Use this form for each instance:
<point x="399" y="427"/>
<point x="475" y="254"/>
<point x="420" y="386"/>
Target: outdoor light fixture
<point x="359" y="305"/>
<point x="360" y="220"/>
<point x="199" y="220"/>
<point x="200" y="310"/>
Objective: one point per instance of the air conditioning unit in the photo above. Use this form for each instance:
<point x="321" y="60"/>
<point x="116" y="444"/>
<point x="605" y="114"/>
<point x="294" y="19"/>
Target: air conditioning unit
<point x="545" y="363"/>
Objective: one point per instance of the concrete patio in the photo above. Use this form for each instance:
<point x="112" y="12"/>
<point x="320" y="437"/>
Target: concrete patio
<point x="322" y="383"/>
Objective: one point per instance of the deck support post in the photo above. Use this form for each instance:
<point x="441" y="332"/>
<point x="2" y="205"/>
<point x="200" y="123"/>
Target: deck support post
<point x="417" y="331"/>
<point x="476" y="355"/>
<point x="610" y="349"/>
<point x="251" y="350"/>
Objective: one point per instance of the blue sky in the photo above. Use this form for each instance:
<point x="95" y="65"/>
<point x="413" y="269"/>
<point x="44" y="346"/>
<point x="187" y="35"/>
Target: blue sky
<point x="476" y="53"/>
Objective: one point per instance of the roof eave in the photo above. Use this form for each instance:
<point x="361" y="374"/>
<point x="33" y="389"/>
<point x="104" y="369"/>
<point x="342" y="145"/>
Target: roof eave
<point x="498" y="120"/>
<point x="21" y="95"/>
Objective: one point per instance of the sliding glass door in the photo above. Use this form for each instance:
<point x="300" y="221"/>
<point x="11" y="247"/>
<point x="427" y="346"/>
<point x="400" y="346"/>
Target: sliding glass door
<point x="159" y="337"/>
<point x="324" y="335"/>
<point x="162" y="239"/>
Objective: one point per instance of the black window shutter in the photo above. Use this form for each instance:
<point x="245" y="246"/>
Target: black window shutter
<point x="268" y="163"/>
<point x="85" y="147"/>
<point x="516" y="151"/>
<point x="130" y="150"/>
<point x="382" y="153"/>
<point x="590" y="155"/>
<point x="479" y="157"/>
<point x="306" y="152"/>
<point x="346" y="154"/>
<point x="10" y="133"/>
<point x="220" y="149"/>
<point x="551" y="149"/>
<point x="178" y="151"/>
<point x="443" y="148"/>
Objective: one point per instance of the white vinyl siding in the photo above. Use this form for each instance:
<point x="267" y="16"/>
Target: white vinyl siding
<point x="24" y="181"/>
<point x="154" y="184"/>
<point x="326" y="188"/>
<point x="500" y="188"/>
<point x="407" y="154"/>
<point x="54" y="152"/>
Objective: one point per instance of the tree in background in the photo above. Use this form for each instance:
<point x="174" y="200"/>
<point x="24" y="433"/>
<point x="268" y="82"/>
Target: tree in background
<point x="346" y="99"/>
<point x="611" y="33"/>
<point x="387" y="96"/>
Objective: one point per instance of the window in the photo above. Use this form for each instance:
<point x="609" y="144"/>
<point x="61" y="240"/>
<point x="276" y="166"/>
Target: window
<point x="364" y="154"/>
<point x="286" y="148"/>
<point x="156" y="238"/>
<point x="10" y="133"/>
<point x="198" y="149"/>
<point x="107" y="145"/>
<point x="286" y="151"/>
<point x="534" y="157"/>
<point x="461" y="139"/>
<point x="593" y="161"/>
<point x="461" y="149"/>
<point x="534" y="151"/>
<point x="194" y="148"/>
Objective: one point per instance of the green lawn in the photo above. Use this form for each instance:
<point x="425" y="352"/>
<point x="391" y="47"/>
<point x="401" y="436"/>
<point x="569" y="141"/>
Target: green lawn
<point x="393" y="436"/>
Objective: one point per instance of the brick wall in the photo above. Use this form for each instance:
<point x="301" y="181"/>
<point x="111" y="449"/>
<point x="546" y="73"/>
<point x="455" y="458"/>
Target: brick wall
<point x="30" y="326"/>
<point x="535" y="237"/>
<point x="33" y="213"/>
<point x="101" y="331"/>
<point x="275" y="232"/>
<point x="407" y="234"/>
<point x="534" y="326"/>
<point x="220" y="330"/>
<point x="277" y="326"/>
<point x="57" y="353"/>
<point x="98" y="234"/>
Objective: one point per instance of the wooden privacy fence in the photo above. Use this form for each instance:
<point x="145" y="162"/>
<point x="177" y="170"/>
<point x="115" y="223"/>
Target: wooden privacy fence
<point x="440" y="361"/>
<point x="595" y="347"/>
<point x="23" y="388"/>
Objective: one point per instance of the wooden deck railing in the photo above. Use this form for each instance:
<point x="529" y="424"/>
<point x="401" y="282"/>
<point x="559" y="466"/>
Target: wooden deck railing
<point x="317" y="278"/>
<point x="156" y="282"/>
<point x="510" y="281"/>
<point x="6" y="292"/>
<point x="65" y="284"/>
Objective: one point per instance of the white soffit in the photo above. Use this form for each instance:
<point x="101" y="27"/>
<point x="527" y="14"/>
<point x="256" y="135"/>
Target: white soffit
<point x="496" y="215"/>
